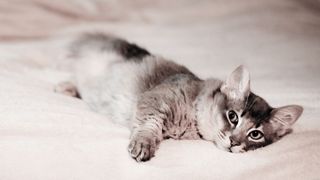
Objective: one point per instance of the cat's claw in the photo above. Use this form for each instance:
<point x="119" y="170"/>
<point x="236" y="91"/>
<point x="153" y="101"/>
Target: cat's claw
<point x="142" y="149"/>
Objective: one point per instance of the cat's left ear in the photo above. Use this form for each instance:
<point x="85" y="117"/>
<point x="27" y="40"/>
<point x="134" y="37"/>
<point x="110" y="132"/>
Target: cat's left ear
<point x="283" y="118"/>
<point x="237" y="85"/>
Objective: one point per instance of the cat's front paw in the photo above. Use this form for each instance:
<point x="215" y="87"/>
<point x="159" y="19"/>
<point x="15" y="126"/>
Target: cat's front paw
<point x="142" y="148"/>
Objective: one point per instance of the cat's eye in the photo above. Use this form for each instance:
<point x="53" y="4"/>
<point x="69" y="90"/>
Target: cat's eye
<point x="255" y="135"/>
<point x="233" y="117"/>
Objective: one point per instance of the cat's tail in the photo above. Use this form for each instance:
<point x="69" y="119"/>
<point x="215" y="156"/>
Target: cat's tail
<point x="105" y="43"/>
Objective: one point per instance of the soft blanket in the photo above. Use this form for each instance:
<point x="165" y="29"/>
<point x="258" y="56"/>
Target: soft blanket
<point x="49" y="136"/>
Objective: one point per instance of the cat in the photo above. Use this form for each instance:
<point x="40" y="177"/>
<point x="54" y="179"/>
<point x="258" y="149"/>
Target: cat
<point x="159" y="99"/>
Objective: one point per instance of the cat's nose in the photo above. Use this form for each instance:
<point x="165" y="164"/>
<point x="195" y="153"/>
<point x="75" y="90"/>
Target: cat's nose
<point x="234" y="142"/>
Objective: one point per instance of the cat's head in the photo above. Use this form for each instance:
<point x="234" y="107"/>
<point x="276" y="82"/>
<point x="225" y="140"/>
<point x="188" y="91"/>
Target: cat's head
<point x="237" y="120"/>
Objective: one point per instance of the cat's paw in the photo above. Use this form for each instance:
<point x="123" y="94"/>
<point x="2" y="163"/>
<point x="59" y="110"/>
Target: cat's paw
<point x="142" y="148"/>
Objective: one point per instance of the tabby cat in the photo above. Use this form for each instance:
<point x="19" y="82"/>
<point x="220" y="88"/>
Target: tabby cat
<point x="159" y="99"/>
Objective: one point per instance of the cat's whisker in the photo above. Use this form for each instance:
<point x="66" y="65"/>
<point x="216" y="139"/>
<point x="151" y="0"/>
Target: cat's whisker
<point x="221" y="134"/>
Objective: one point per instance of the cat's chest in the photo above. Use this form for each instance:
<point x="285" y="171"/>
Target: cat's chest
<point x="182" y="126"/>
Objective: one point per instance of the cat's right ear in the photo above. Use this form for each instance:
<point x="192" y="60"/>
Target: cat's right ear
<point x="237" y="85"/>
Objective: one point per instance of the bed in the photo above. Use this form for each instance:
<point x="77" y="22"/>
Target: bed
<point x="49" y="136"/>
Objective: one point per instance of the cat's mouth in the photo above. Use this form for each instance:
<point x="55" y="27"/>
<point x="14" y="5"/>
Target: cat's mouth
<point x="237" y="149"/>
<point x="223" y="142"/>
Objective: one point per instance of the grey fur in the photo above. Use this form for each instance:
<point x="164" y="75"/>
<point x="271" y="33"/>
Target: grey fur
<point x="160" y="99"/>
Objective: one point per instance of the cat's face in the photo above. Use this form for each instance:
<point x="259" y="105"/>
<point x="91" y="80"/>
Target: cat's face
<point x="238" y="120"/>
<point x="253" y="123"/>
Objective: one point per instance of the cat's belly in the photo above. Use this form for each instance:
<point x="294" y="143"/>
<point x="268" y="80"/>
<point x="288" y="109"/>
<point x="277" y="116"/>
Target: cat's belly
<point x="109" y="87"/>
<point x="112" y="85"/>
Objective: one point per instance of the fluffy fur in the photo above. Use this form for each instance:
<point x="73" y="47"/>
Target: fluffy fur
<point x="159" y="99"/>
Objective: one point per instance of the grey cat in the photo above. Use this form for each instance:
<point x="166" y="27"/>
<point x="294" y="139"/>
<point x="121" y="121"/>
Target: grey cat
<point x="159" y="99"/>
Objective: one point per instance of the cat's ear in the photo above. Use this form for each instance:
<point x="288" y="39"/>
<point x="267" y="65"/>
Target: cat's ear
<point x="237" y="84"/>
<point x="283" y="118"/>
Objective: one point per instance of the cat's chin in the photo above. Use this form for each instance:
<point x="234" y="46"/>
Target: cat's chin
<point x="233" y="149"/>
<point x="237" y="149"/>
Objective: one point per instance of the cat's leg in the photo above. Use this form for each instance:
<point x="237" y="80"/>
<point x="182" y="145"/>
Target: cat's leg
<point x="67" y="88"/>
<point x="147" y="126"/>
<point x="145" y="140"/>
